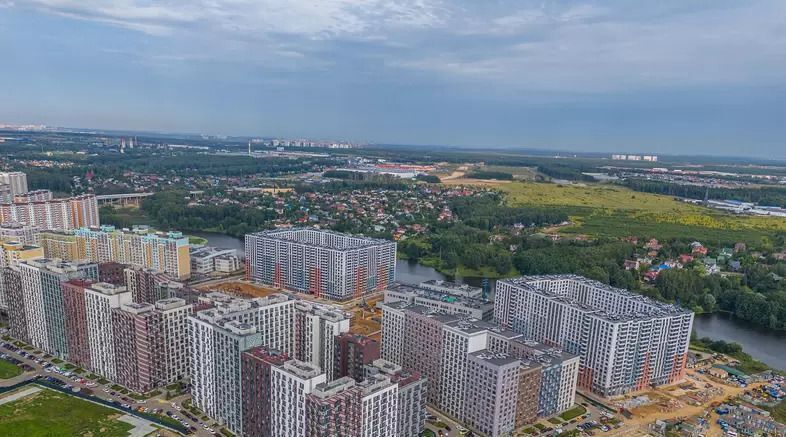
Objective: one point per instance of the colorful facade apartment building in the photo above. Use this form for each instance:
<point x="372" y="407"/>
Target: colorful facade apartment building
<point x="626" y="341"/>
<point x="323" y="263"/>
<point x="167" y="253"/>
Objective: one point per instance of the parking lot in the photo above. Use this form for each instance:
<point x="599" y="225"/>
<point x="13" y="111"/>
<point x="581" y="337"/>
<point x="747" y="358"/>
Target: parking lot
<point x="36" y="365"/>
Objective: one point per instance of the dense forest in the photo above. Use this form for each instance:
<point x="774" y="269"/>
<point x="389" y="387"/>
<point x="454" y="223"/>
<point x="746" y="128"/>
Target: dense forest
<point x="169" y="209"/>
<point x="768" y="196"/>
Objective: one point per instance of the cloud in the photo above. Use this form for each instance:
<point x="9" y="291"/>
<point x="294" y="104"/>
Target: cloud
<point x="510" y="45"/>
<point x="313" y="19"/>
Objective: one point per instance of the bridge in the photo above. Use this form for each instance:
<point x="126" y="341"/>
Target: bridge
<point x="122" y="199"/>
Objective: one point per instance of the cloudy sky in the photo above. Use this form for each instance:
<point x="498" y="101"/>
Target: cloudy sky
<point x="676" y="76"/>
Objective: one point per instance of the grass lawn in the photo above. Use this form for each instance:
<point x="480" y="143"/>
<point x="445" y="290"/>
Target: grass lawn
<point x="555" y="420"/>
<point x="8" y="370"/>
<point x="613" y="211"/>
<point x="428" y="433"/>
<point x="573" y="413"/>
<point x="49" y="413"/>
<point x="530" y="430"/>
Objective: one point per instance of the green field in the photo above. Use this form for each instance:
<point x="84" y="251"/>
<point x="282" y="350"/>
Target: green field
<point x="523" y="173"/>
<point x="8" y="370"/>
<point x="49" y="413"/>
<point x="613" y="211"/>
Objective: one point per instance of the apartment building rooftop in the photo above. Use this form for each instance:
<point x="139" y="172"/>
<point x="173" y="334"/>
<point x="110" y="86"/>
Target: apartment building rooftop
<point x="543" y="353"/>
<point x="239" y="328"/>
<point x="108" y="289"/>
<point x="374" y="383"/>
<point x="327" y="389"/>
<point x="338" y="242"/>
<point x="438" y="296"/>
<point x="57" y="265"/>
<point x="452" y="288"/>
<point x="650" y="308"/>
<point x="170" y="303"/>
<point x="302" y="369"/>
<point x="496" y="359"/>
<point x="224" y="305"/>
<point x="137" y="308"/>
<point x="326" y="312"/>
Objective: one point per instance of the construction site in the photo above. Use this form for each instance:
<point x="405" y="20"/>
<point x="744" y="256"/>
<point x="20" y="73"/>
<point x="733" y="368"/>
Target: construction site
<point x="366" y="318"/>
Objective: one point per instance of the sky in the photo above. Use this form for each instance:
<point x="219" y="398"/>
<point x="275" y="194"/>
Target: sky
<point x="671" y="77"/>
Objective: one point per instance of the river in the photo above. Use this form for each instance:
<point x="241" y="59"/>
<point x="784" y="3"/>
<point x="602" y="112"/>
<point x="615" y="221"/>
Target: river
<point x="763" y="345"/>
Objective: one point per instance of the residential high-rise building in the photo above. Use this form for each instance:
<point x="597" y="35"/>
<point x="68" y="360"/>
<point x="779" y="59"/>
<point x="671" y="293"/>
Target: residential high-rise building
<point x="528" y="405"/>
<point x="11" y="253"/>
<point x="437" y="300"/>
<point x="334" y="408"/>
<point x="100" y="300"/>
<point x="173" y="358"/>
<point x="256" y="372"/>
<point x="559" y="374"/>
<point x="25" y="234"/>
<point x="59" y="214"/>
<point x="17" y="311"/>
<point x="352" y="354"/>
<point x="393" y="331"/>
<point x="61" y="245"/>
<point x="378" y="406"/>
<point x="77" y="333"/>
<point x="411" y="395"/>
<point x="323" y="263"/>
<point x="292" y="383"/>
<point x="168" y="253"/>
<point x="146" y="285"/>
<point x="33" y="196"/>
<point x="492" y="397"/>
<point x="216" y="347"/>
<point x="112" y="273"/>
<point x="43" y="300"/>
<point x="441" y="347"/>
<point x="273" y="316"/>
<point x="316" y="328"/>
<point x="16" y="181"/>
<point x="626" y="341"/>
<point x="137" y="335"/>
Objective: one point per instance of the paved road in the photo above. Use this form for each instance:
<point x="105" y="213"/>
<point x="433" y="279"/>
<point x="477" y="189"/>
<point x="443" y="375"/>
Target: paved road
<point x="106" y="392"/>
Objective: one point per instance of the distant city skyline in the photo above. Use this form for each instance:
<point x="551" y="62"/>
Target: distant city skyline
<point x="675" y="77"/>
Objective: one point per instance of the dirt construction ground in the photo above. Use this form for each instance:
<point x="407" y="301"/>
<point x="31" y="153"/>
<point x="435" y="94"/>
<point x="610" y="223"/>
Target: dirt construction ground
<point x="366" y="318"/>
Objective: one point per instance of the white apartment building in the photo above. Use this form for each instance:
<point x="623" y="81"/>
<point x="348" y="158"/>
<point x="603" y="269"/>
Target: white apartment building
<point x="393" y="331"/>
<point x="43" y="300"/>
<point x="316" y="328"/>
<point x="206" y="260"/>
<point x="440" y="301"/>
<point x="100" y="299"/>
<point x="16" y="181"/>
<point x="493" y="396"/>
<point x="25" y="234"/>
<point x="216" y="378"/>
<point x="459" y="339"/>
<point x="379" y="407"/>
<point x="290" y="384"/>
<point x="626" y="341"/>
<point x="273" y="316"/>
<point x="327" y="264"/>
